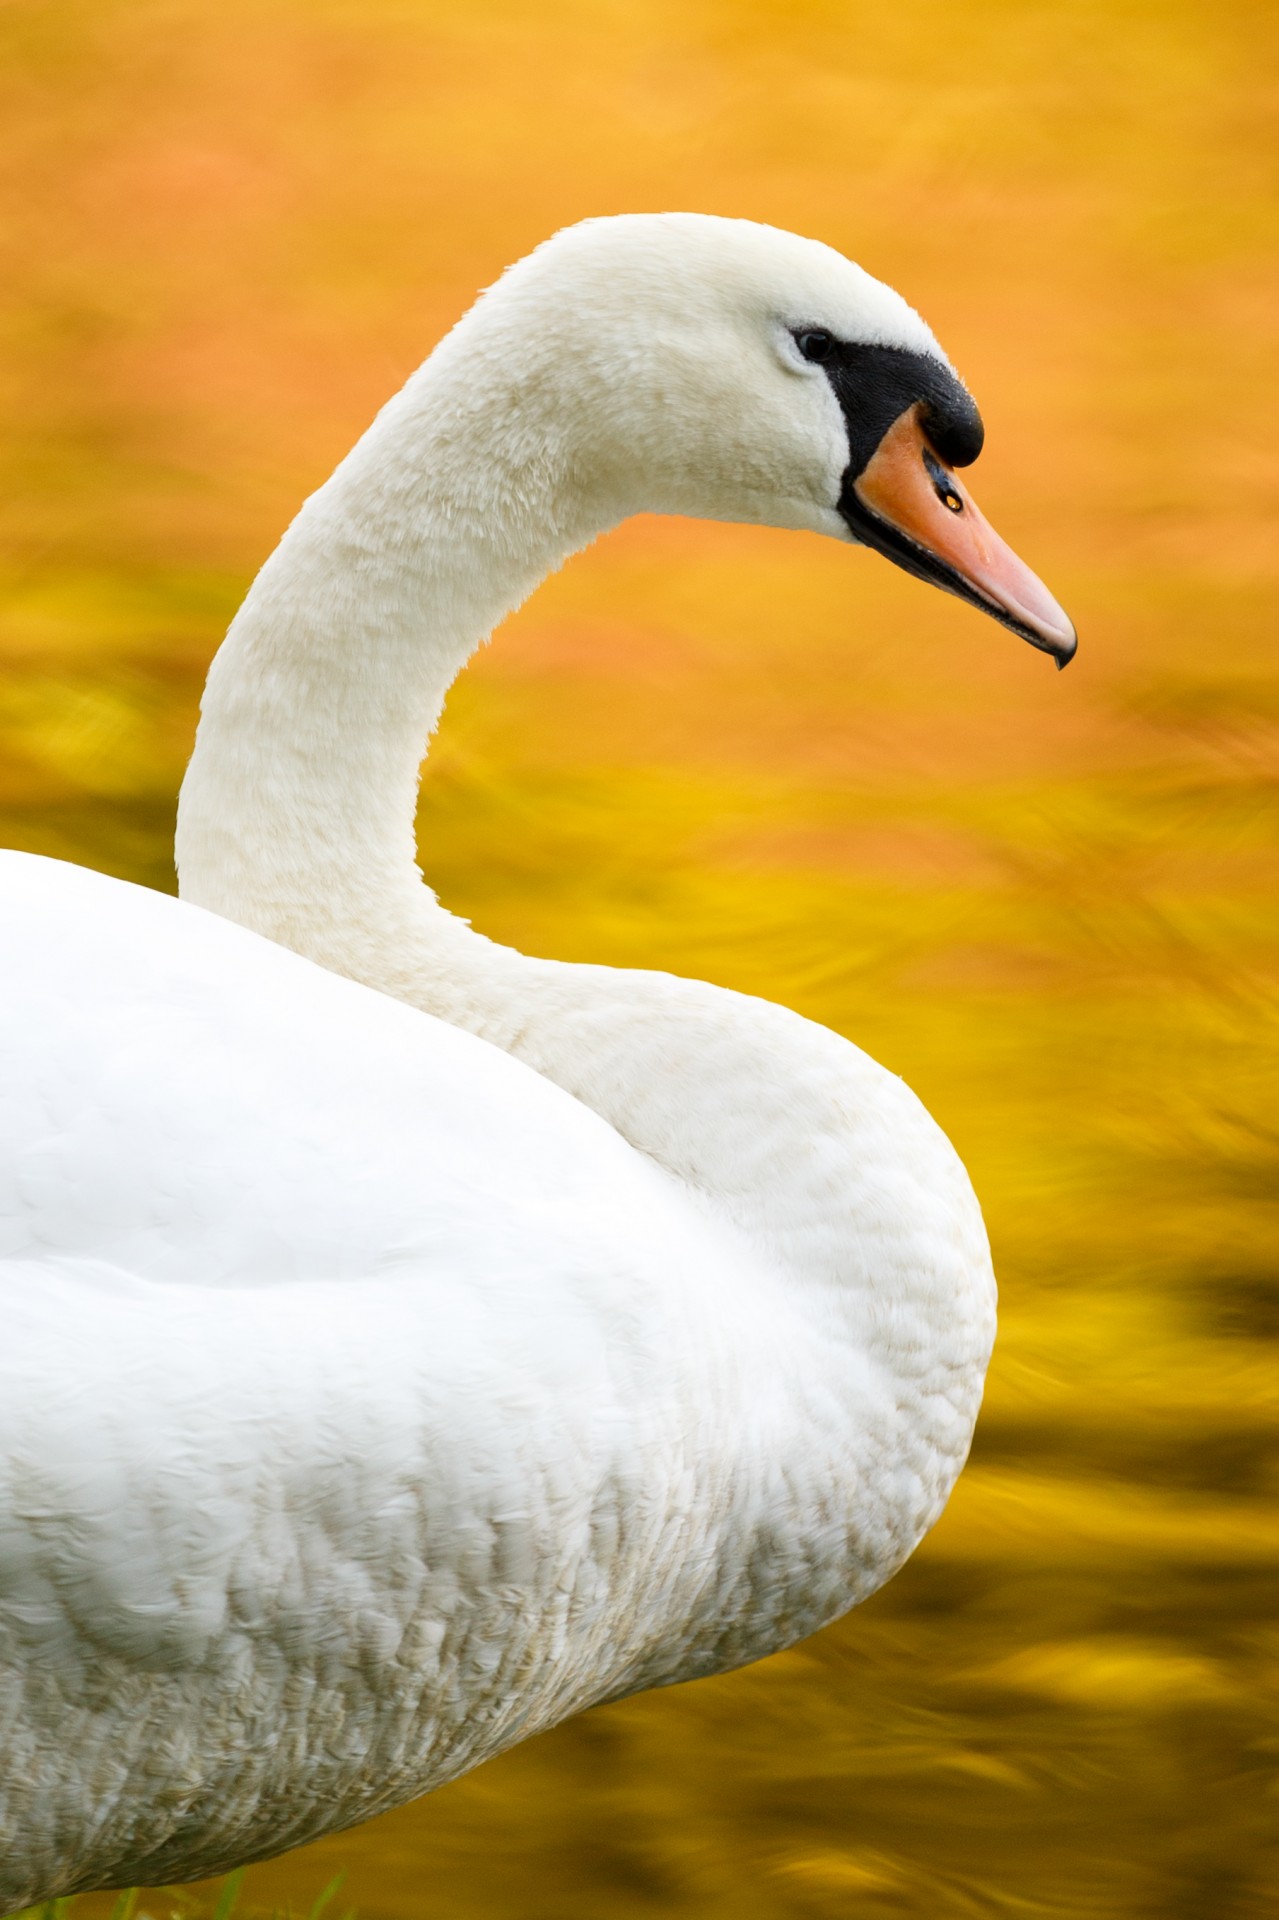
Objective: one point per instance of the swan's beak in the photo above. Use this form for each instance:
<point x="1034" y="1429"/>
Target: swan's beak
<point x="910" y="507"/>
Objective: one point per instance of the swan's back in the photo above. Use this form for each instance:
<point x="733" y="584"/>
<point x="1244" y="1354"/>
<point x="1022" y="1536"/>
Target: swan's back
<point x="192" y="1103"/>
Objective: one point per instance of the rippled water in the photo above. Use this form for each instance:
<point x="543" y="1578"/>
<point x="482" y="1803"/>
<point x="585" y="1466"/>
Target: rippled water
<point x="1048" y="901"/>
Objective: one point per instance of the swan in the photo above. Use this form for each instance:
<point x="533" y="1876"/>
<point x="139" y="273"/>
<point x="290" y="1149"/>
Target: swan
<point x="405" y="1352"/>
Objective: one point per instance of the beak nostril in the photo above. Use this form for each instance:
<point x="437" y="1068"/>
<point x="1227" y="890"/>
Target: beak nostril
<point x="943" y="485"/>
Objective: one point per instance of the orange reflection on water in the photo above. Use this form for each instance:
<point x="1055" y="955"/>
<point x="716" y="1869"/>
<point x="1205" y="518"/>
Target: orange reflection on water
<point x="1048" y="901"/>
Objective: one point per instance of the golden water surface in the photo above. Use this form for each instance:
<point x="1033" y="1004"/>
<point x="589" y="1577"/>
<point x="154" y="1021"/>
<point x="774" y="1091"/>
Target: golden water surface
<point x="232" y="228"/>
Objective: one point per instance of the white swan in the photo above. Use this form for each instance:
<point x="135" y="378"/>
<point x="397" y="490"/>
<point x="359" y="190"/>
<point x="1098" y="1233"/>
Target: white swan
<point x="371" y="1395"/>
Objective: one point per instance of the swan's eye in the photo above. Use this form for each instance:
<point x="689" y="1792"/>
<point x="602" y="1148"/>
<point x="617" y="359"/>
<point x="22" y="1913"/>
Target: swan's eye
<point x="815" y="344"/>
<point x="943" y="485"/>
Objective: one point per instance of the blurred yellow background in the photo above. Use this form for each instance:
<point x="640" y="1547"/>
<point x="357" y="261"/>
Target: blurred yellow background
<point x="1048" y="901"/>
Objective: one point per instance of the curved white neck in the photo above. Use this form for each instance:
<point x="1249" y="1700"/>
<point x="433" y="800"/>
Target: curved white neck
<point x="297" y="815"/>
<point x="297" y="810"/>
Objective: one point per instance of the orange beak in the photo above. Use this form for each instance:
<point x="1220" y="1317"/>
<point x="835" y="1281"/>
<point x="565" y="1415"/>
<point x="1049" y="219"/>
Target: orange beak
<point x="910" y="507"/>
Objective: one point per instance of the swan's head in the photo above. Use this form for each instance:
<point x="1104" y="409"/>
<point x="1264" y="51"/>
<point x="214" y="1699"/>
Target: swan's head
<point x="731" y="371"/>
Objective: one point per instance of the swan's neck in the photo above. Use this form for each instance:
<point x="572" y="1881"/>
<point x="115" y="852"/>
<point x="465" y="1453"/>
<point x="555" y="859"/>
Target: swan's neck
<point x="297" y="811"/>
<point x="297" y="820"/>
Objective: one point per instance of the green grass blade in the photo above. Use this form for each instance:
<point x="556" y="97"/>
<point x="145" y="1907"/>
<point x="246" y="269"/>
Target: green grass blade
<point x="229" y="1895"/>
<point x="326" y="1894"/>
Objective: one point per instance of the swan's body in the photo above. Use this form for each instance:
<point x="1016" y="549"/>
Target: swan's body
<point x="373" y="1395"/>
<point x="399" y="1408"/>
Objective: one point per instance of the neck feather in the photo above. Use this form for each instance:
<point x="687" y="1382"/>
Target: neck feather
<point x="299" y="802"/>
